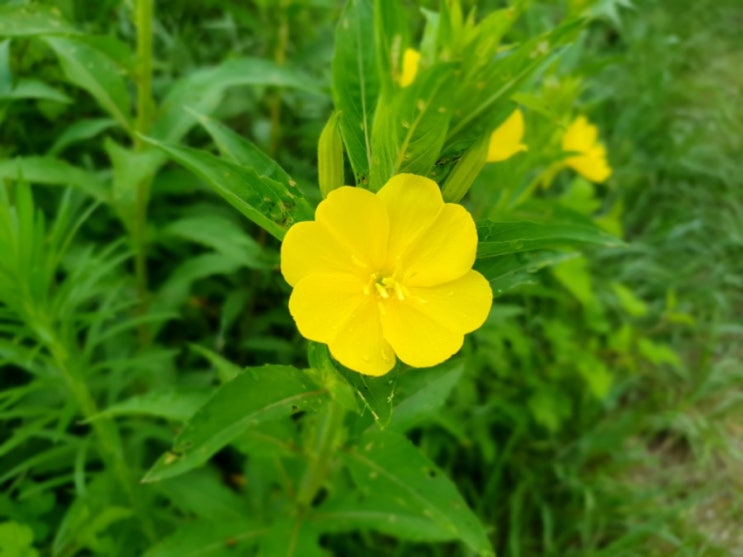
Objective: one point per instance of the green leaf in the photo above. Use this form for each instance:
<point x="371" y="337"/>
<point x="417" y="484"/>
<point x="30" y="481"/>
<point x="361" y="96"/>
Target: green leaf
<point x="209" y="538"/>
<point x="633" y="305"/>
<point x="6" y="74"/>
<point x="423" y="392"/>
<point x="49" y="170"/>
<point x="257" y="395"/>
<point x="410" y="129"/>
<point x="381" y="513"/>
<point x="291" y="538"/>
<point x="391" y="37"/>
<point x="515" y="269"/>
<point x="479" y="111"/>
<point x="239" y="150"/>
<point x="28" y="20"/>
<point x="222" y="234"/>
<point x="377" y="394"/>
<point x="80" y="130"/>
<point x="130" y="169"/>
<point x="92" y="70"/>
<point x="201" y="91"/>
<point x="179" y="285"/>
<point x="172" y="404"/>
<point x="16" y="540"/>
<point x="266" y="202"/>
<point x="226" y="370"/>
<point x="658" y="353"/>
<point x="35" y="89"/>
<point x="575" y="276"/>
<point x="325" y="373"/>
<point x="356" y="82"/>
<point x="205" y="493"/>
<point x="550" y="407"/>
<point x="499" y="238"/>
<point x="595" y="373"/>
<point x="404" y="494"/>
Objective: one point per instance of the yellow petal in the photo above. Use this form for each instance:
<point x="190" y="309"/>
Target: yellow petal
<point x="461" y="305"/>
<point x="507" y="138"/>
<point x="410" y="60"/>
<point x="334" y="310"/>
<point x="309" y="248"/>
<point x="321" y="304"/>
<point x="413" y="203"/>
<point x="593" y="168"/>
<point x="445" y="252"/>
<point x="357" y="220"/>
<point x="418" y="340"/>
<point x="360" y="345"/>
<point x="580" y="136"/>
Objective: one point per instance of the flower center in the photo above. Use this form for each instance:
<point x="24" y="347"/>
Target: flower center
<point x="386" y="287"/>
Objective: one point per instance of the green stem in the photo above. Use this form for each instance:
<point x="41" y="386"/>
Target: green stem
<point x="145" y="109"/>
<point x="320" y="455"/>
<point x="279" y="56"/>
<point x="145" y="105"/>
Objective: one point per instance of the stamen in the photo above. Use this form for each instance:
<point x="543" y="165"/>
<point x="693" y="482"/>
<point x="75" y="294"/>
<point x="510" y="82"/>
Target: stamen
<point x="386" y="287"/>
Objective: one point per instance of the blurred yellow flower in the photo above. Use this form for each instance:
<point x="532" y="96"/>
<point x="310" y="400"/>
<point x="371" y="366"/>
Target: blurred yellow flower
<point x="590" y="162"/>
<point x="506" y="139"/>
<point x="389" y="274"/>
<point x="410" y="60"/>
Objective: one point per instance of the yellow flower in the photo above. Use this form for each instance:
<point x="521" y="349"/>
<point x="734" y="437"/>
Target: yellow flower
<point x="410" y="60"/>
<point x="582" y="137"/>
<point x="505" y="141"/>
<point x="389" y="274"/>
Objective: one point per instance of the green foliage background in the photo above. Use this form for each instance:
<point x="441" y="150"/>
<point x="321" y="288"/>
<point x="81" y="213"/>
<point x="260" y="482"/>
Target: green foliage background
<point x="155" y="397"/>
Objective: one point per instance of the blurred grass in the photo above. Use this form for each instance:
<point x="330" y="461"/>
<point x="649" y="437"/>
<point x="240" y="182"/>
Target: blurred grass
<point x="668" y="93"/>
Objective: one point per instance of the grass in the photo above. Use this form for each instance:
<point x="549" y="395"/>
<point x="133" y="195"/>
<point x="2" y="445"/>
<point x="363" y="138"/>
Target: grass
<point x="673" y="92"/>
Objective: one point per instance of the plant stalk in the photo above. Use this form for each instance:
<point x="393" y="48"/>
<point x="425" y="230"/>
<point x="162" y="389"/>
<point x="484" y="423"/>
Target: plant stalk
<point x="143" y="15"/>
<point x="326" y="442"/>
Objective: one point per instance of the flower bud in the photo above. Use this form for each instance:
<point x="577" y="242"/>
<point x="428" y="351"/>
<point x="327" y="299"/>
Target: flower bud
<point x="330" y="157"/>
<point x="465" y="171"/>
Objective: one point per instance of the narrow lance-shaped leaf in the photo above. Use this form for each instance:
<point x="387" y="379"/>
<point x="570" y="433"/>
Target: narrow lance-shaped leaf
<point x="239" y="150"/>
<point x="402" y="493"/>
<point x="268" y="203"/>
<point x="499" y="238"/>
<point x="201" y="91"/>
<point x="480" y="111"/>
<point x="206" y="537"/>
<point x="92" y="70"/>
<point x="515" y="269"/>
<point x="409" y="131"/>
<point x="257" y="395"/>
<point x="29" y="20"/>
<point x="53" y="171"/>
<point x="356" y="82"/>
<point x="391" y="37"/>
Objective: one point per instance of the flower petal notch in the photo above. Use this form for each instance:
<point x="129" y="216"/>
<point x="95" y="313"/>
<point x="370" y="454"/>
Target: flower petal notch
<point x="410" y="60"/>
<point x="589" y="159"/>
<point x="506" y="139"/>
<point x="388" y="276"/>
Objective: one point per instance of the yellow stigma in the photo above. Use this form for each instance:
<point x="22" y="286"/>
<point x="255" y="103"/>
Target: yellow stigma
<point x="386" y="287"/>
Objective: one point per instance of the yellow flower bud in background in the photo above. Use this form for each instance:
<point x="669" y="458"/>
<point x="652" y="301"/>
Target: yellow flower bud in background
<point x="589" y="160"/>
<point x="330" y="157"/>
<point x="506" y="139"/>
<point x="410" y="61"/>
